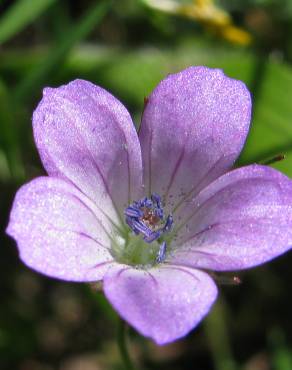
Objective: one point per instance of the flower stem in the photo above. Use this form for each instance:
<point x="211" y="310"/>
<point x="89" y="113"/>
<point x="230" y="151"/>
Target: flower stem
<point x="121" y="340"/>
<point x="220" y="347"/>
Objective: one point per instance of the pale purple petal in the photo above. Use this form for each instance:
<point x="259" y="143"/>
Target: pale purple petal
<point x="241" y="220"/>
<point x="59" y="232"/>
<point x="162" y="303"/>
<point x="193" y="127"/>
<point x="85" y="135"/>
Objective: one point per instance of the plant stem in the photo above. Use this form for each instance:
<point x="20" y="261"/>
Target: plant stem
<point x="121" y="340"/>
<point x="218" y="338"/>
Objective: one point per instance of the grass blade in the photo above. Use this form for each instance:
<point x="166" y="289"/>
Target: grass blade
<point x="19" y="15"/>
<point x="58" y="53"/>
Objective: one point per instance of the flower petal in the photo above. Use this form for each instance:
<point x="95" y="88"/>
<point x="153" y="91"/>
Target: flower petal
<point x="87" y="136"/>
<point x="59" y="232"/>
<point x="241" y="220"/>
<point x="193" y="127"/>
<point x="163" y="303"/>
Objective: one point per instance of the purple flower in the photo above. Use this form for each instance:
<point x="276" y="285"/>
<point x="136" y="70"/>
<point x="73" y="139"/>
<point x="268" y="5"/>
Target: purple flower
<point x="148" y="214"/>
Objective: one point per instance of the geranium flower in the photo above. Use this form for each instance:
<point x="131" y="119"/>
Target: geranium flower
<point x="150" y="213"/>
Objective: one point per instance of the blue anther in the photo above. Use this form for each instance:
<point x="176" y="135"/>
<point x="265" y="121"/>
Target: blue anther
<point x="145" y="202"/>
<point x="153" y="236"/>
<point x="159" y="213"/>
<point x="157" y="199"/>
<point x="132" y="211"/>
<point x="129" y="221"/>
<point x="141" y="202"/>
<point x="135" y="205"/>
<point x="148" y="203"/>
<point x="142" y="228"/>
<point x="168" y="223"/>
<point x="146" y="217"/>
<point x="161" y="253"/>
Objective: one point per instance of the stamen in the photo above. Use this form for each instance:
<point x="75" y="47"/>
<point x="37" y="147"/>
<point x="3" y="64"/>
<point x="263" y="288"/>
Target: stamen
<point x="146" y="217"/>
<point x="141" y="227"/>
<point x="147" y="203"/>
<point x="159" y="213"/>
<point x="162" y="252"/>
<point x="154" y="236"/>
<point x="156" y="198"/>
<point x="133" y="212"/>
<point x="168" y="223"/>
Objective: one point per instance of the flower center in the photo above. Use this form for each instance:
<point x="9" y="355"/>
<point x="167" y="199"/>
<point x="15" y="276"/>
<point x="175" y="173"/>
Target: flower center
<point x="145" y="244"/>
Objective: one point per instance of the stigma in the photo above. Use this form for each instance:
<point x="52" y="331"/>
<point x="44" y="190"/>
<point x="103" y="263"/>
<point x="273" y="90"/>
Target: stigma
<point x="146" y="218"/>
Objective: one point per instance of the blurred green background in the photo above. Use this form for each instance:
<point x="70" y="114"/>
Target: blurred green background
<point x="128" y="46"/>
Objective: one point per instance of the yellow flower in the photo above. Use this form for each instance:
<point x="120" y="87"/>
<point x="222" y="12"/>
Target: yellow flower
<point x="207" y="13"/>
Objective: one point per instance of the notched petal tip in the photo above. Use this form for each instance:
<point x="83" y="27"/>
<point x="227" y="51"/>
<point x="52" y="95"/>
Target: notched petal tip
<point x="77" y="83"/>
<point x="216" y="75"/>
<point x="47" y="91"/>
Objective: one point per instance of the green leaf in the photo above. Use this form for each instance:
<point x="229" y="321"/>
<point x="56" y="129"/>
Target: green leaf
<point x="19" y="15"/>
<point x="271" y="131"/>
